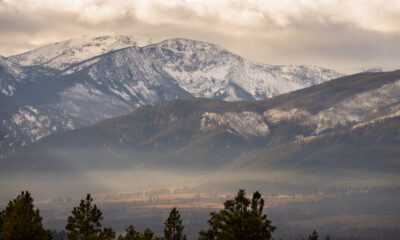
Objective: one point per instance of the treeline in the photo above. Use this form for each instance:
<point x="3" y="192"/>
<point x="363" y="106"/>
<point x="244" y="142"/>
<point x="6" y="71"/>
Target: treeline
<point x="241" y="218"/>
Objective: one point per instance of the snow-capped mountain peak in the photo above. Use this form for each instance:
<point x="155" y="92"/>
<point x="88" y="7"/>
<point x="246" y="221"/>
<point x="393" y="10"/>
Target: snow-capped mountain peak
<point x="207" y="70"/>
<point x="63" y="54"/>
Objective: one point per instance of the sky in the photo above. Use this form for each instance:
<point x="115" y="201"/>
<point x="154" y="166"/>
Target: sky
<point x="348" y="36"/>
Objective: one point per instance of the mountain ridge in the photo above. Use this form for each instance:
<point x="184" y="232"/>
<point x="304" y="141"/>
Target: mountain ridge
<point x="62" y="54"/>
<point x="63" y="90"/>
<point x="210" y="133"/>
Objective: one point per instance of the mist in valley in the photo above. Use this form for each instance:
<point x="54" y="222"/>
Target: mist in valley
<point x="133" y="190"/>
<point x="74" y="172"/>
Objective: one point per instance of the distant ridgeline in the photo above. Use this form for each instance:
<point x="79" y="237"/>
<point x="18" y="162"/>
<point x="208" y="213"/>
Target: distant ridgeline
<point x="349" y="123"/>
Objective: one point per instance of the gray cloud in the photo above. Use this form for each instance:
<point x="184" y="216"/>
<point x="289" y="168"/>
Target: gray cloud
<point x="269" y="33"/>
<point x="343" y="46"/>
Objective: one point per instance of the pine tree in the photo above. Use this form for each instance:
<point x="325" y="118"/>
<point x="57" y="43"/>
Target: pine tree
<point x="240" y="219"/>
<point x="173" y="229"/>
<point x="19" y="221"/>
<point x="147" y="234"/>
<point x="132" y="234"/>
<point x="84" y="224"/>
<point x="1" y="220"/>
<point x="107" y="234"/>
<point x="313" y="236"/>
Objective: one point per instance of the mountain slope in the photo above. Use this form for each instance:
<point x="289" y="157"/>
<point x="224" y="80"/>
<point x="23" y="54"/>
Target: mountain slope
<point x="206" y="70"/>
<point x="63" y="54"/>
<point x="10" y="74"/>
<point x="78" y="82"/>
<point x="371" y="146"/>
<point x="347" y="123"/>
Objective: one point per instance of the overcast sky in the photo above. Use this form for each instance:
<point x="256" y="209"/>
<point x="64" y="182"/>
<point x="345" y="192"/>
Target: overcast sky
<point x="346" y="35"/>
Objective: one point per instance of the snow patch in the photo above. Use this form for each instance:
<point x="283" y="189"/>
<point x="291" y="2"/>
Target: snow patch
<point x="121" y="94"/>
<point x="379" y="119"/>
<point x="277" y="115"/>
<point x="244" y="123"/>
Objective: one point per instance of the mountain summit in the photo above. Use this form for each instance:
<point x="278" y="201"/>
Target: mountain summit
<point x="63" y="54"/>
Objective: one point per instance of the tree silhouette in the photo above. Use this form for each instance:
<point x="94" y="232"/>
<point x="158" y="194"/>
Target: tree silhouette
<point x="132" y="234"/>
<point x="19" y="221"/>
<point x="148" y="234"/>
<point x="313" y="236"/>
<point x="241" y="219"/>
<point x="173" y="229"/>
<point x="1" y="220"/>
<point x="84" y="223"/>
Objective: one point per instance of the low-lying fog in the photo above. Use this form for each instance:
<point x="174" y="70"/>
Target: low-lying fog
<point x="76" y="173"/>
<point x="130" y="189"/>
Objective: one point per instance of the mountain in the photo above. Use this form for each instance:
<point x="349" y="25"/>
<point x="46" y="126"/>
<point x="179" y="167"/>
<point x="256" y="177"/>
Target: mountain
<point x="78" y="82"/>
<point x="347" y="123"/>
<point x="206" y="70"/>
<point x="63" y="54"/>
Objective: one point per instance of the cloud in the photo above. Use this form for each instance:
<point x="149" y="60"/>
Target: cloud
<point x="344" y="35"/>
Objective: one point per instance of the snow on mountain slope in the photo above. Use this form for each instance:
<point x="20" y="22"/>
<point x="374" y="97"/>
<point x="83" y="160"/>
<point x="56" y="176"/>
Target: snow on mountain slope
<point x="11" y="67"/>
<point x="62" y="54"/>
<point x="362" y="107"/>
<point x="185" y="68"/>
<point x="29" y="124"/>
<point x="380" y="103"/>
<point x="304" y="75"/>
<point x="10" y="73"/>
<point x="91" y="79"/>
<point x="206" y="70"/>
<point x="360" y="110"/>
<point x="244" y="123"/>
<point x="85" y="105"/>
